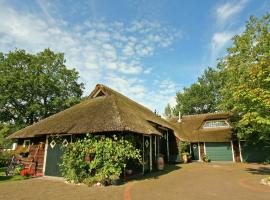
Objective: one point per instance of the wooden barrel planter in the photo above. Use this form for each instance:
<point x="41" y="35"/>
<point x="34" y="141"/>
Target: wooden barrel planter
<point x="160" y="162"/>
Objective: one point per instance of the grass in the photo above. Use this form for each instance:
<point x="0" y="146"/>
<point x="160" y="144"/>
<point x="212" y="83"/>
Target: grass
<point x="4" y="178"/>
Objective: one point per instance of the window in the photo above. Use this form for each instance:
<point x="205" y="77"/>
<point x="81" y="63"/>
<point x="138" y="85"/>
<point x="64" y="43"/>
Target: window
<point x="26" y="143"/>
<point x="216" y="124"/>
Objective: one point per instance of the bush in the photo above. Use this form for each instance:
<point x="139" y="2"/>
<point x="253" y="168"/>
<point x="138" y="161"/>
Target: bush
<point x="184" y="147"/>
<point x="5" y="158"/>
<point x="108" y="158"/>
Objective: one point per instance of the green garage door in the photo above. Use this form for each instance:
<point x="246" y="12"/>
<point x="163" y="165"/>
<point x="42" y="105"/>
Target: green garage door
<point x="219" y="151"/>
<point x="255" y="152"/>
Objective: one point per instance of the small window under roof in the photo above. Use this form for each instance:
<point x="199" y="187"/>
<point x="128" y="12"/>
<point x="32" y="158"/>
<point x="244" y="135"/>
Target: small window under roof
<point x="216" y="124"/>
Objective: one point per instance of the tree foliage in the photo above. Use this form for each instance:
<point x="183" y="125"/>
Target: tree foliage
<point x="241" y="84"/>
<point x="168" y="112"/>
<point x="202" y="96"/>
<point x="35" y="86"/>
<point x="246" y="71"/>
<point x="5" y="130"/>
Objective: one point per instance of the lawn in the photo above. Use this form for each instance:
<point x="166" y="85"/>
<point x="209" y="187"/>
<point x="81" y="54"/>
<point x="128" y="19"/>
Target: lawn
<point x="4" y="178"/>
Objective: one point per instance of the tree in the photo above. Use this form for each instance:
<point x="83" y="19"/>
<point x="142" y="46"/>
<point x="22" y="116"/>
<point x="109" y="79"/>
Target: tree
<point x="202" y="96"/>
<point x="34" y="87"/>
<point x="246" y="89"/>
<point x="5" y="130"/>
<point x="168" y="111"/>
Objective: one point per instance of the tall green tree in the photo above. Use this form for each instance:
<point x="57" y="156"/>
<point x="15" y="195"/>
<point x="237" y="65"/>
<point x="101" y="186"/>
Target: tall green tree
<point x="202" y="96"/>
<point x="168" y="111"/>
<point x="35" y="86"/>
<point x="246" y="74"/>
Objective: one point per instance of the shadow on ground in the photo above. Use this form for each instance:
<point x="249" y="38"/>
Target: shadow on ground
<point x="155" y="174"/>
<point x="259" y="170"/>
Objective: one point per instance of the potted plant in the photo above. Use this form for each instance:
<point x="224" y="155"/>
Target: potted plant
<point x="206" y="158"/>
<point x="185" y="157"/>
<point x="183" y="149"/>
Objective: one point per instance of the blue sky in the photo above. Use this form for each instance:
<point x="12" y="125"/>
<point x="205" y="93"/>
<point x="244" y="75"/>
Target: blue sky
<point x="146" y="49"/>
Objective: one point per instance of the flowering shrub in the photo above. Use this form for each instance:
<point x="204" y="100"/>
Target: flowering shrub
<point x="94" y="159"/>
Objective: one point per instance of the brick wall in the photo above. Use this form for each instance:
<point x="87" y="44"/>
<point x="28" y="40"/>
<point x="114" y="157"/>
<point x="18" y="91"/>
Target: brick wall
<point x="201" y="144"/>
<point x="36" y="155"/>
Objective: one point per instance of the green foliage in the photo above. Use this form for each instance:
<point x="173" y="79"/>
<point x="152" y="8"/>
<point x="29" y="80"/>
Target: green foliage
<point x="206" y="158"/>
<point x="5" y="158"/>
<point x="184" y="147"/>
<point x="246" y="77"/>
<point x="35" y="86"/>
<point x="109" y="157"/>
<point x="202" y="96"/>
<point x="168" y="112"/>
<point x="5" y="130"/>
<point x="4" y="178"/>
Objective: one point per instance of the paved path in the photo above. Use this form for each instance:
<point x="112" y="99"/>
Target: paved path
<point x="188" y="182"/>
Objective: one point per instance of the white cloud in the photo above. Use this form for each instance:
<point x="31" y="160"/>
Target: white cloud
<point x="225" y="12"/>
<point x="226" y="17"/>
<point x="111" y="53"/>
<point x="219" y="41"/>
<point x="136" y="89"/>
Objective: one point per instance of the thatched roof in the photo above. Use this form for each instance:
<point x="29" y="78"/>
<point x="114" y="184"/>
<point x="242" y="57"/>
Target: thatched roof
<point x="190" y="128"/>
<point x="105" y="110"/>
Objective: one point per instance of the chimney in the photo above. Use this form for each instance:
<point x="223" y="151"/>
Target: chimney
<point x="179" y="117"/>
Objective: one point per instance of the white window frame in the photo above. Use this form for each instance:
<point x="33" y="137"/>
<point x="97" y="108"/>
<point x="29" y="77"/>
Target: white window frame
<point x="226" y="122"/>
<point x="26" y="141"/>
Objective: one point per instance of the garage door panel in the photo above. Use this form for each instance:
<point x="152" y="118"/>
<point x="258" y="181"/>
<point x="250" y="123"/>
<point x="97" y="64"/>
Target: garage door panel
<point x="219" y="151"/>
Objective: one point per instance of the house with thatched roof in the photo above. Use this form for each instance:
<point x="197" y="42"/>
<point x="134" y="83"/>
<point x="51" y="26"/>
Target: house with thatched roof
<point x="212" y="134"/>
<point x="105" y="112"/>
<point x="209" y="134"/>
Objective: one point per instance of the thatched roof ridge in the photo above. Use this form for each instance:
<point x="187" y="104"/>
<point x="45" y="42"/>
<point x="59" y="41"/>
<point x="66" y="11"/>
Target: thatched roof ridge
<point x="190" y="128"/>
<point x="107" y="111"/>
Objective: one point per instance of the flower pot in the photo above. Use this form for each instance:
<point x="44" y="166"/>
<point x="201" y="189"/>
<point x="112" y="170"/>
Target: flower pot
<point x="185" y="158"/>
<point x="116" y="181"/>
<point x="160" y="163"/>
<point x="129" y="171"/>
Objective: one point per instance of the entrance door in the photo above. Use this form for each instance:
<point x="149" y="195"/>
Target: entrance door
<point x="54" y="154"/>
<point x="146" y="140"/>
<point x="195" y="151"/>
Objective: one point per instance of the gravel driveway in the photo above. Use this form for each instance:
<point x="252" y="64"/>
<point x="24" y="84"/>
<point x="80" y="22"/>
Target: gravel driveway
<point x="185" y="181"/>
